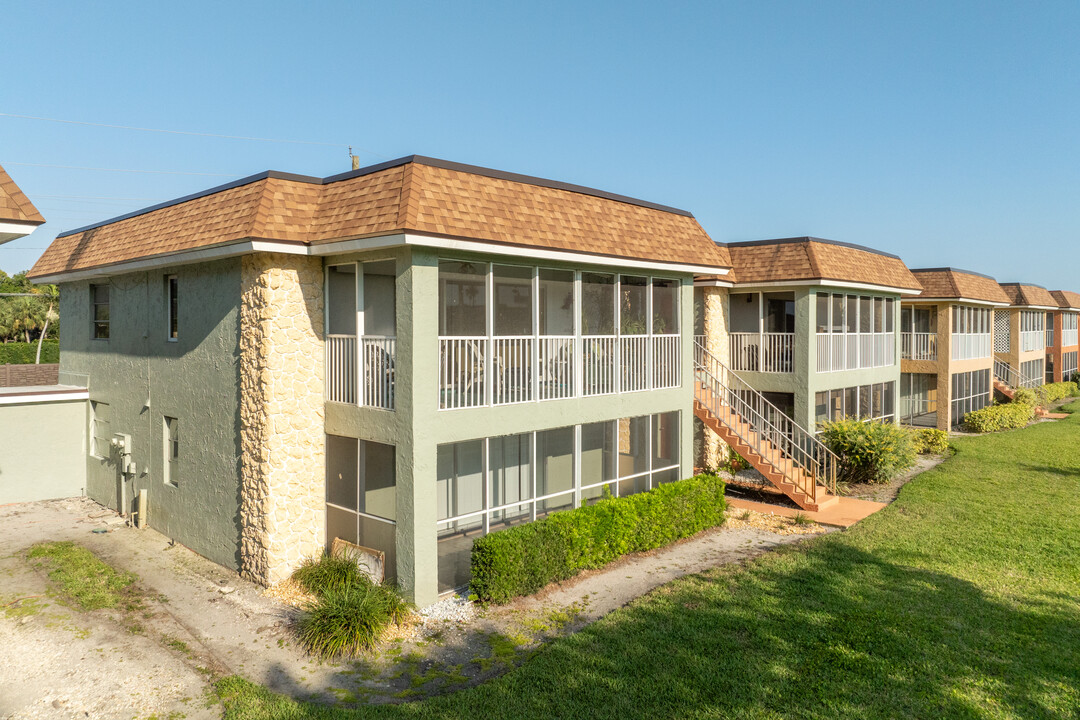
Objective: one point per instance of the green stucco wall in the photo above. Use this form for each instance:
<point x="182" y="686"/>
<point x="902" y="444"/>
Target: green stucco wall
<point x="44" y="450"/>
<point x="143" y="377"/>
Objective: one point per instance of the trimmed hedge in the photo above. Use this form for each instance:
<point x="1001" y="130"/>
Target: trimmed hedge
<point x="870" y="452"/>
<point x="523" y="559"/>
<point x="930" y="441"/>
<point x="21" y="353"/>
<point x="1000" y="417"/>
<point x="1056" y="391"/>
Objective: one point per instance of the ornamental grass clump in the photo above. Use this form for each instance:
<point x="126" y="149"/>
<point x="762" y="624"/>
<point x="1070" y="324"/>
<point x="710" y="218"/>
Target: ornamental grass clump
<point x="348" y="619"/>
<point x="351" y="611"/>
<point x="870" y="452"/>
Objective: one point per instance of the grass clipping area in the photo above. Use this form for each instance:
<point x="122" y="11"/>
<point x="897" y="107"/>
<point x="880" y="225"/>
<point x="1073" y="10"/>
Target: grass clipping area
<point x="959" y="600"/>
<point x="81" y="576"/>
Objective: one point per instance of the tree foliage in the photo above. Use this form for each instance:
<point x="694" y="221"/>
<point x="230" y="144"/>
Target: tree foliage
<point x="27" y="311"/>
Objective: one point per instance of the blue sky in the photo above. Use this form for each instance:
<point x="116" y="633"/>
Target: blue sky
<point x="945" y="132"/>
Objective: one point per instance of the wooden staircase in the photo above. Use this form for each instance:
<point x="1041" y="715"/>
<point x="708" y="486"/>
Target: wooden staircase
<point x="788" y="456"/>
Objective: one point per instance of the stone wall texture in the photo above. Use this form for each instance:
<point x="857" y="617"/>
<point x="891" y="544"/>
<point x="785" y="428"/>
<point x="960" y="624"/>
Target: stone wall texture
<point x="282" y="471"/>
<point x="717" y="308"/>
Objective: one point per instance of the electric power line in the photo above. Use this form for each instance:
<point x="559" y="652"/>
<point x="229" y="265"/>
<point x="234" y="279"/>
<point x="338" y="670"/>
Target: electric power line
<point x="188" y="132"/>
<point x="96" y="169"/>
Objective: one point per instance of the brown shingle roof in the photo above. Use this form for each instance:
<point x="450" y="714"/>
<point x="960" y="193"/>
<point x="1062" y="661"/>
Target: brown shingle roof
<point x="1021" y="295"/>
<point x="14" y="206"/>
<point x="953" y="284"/>
<point x="793" y="259"/>
<point x="1066" y="298"/>
<point x="414" y="194"/>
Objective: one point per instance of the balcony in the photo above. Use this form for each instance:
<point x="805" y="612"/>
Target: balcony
<point x="1031" y="340"/>
<point x="369" y="383"/>
<point x="855" y="351"/>
<point x="769" y="352"/>
<point x="918" y="346"/>
<point x="971" y="346"/>
<point x="478" y="371"/>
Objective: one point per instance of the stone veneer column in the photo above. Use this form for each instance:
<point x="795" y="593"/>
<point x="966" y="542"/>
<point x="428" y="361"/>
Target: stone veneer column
<point x="282" y="432"/>
<point x="944" y="366"/>
<point x="717" y="309"/>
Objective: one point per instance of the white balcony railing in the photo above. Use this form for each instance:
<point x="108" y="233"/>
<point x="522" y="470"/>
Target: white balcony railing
<point x="372" y="383"/>
<point x="1069" y="338"/>
<point x="855" y="351"/>
<point x="379" y="353"/>
<point x="1032" y="340"/>
<point x="918" y="346"/>
<point x="341" y="368"/>
<point x="970" y="346"/>
<point x="530" y="368"/>
<point x="762" y="352"/>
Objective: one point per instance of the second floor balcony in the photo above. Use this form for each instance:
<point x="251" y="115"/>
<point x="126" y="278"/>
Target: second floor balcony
<point x="766" y="352"/>
<point x="918" y="346"/>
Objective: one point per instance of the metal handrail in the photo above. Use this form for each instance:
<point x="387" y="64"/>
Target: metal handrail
<point x="1012" y="377"/>
<point x="798" y="448"/>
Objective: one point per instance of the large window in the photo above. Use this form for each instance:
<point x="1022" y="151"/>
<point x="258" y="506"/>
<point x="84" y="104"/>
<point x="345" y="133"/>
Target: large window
<point x="513" y="334"/>
<point x="918" y="399"/>
<point x="971" y="332"/>
<point x="1032" y="372"/>
<point x="866" y="402"/>
<point x="489" y="484"/>
<point x="1068" y="365"/>
<point x="970" y="391"/>
<point x="854" y="332"/>
<point x="361" y="496"/>
<point x="1032" y="331"/>
<point x="1068" y="329"/>
<point x="762" y="333"/>
<point x="99" y="298"/>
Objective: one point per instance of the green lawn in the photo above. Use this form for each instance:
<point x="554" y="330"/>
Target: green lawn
<point x="962" y="599"/>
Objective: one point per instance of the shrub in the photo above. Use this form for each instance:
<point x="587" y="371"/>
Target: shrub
<point x="1025" y="396"/>
<point x="930" y="441"/>
<point x="521" y="560"/>
<point x="1056" y="391"/>
<point x="870" y="452"/>
<point x="21" y="353"/>
<point x="1000" y="417"/>
<point x="328" y="573"/>
<point x="348" y="619"/>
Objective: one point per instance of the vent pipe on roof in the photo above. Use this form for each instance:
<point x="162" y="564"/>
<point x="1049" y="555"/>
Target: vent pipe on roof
<point x="355" y="159"/>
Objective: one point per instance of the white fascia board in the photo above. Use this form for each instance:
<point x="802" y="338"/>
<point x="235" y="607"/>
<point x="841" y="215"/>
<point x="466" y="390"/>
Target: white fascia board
<point x="338" y="247"/>
<point x="827" y="283"/>
<point x="955" y="301"/>
<point x="42" y="397"/>
<point x="1035" y="307"/>
<point x="14" y="230"/>
<point x="532" y="254"/>
<point x="187" y="257"/>
<point x="713" y="283"/>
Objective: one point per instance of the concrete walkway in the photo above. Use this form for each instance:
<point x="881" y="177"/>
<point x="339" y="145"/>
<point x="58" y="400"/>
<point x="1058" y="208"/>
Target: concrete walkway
<point x="843" y="514"/>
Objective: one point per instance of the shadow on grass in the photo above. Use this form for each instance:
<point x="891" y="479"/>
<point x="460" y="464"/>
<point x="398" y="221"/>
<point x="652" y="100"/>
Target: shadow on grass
<point x="1050" y="470"/>
<point x="825" y="631"/>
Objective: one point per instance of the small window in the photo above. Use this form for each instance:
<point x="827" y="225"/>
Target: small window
<point x="99" y="298"/>
<point x="100" y="429"/>
<point x="171" y="441"/>
<point x="171" y="289"/>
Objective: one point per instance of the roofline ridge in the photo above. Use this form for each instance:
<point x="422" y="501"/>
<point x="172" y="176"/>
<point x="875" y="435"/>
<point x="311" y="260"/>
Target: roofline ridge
<point x="812" y="239"/>
<point x="955" y="270"/>
<point x="378" y="167"/>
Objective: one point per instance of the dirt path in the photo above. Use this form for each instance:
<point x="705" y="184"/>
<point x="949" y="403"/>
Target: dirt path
<point x="199" y="621"/>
